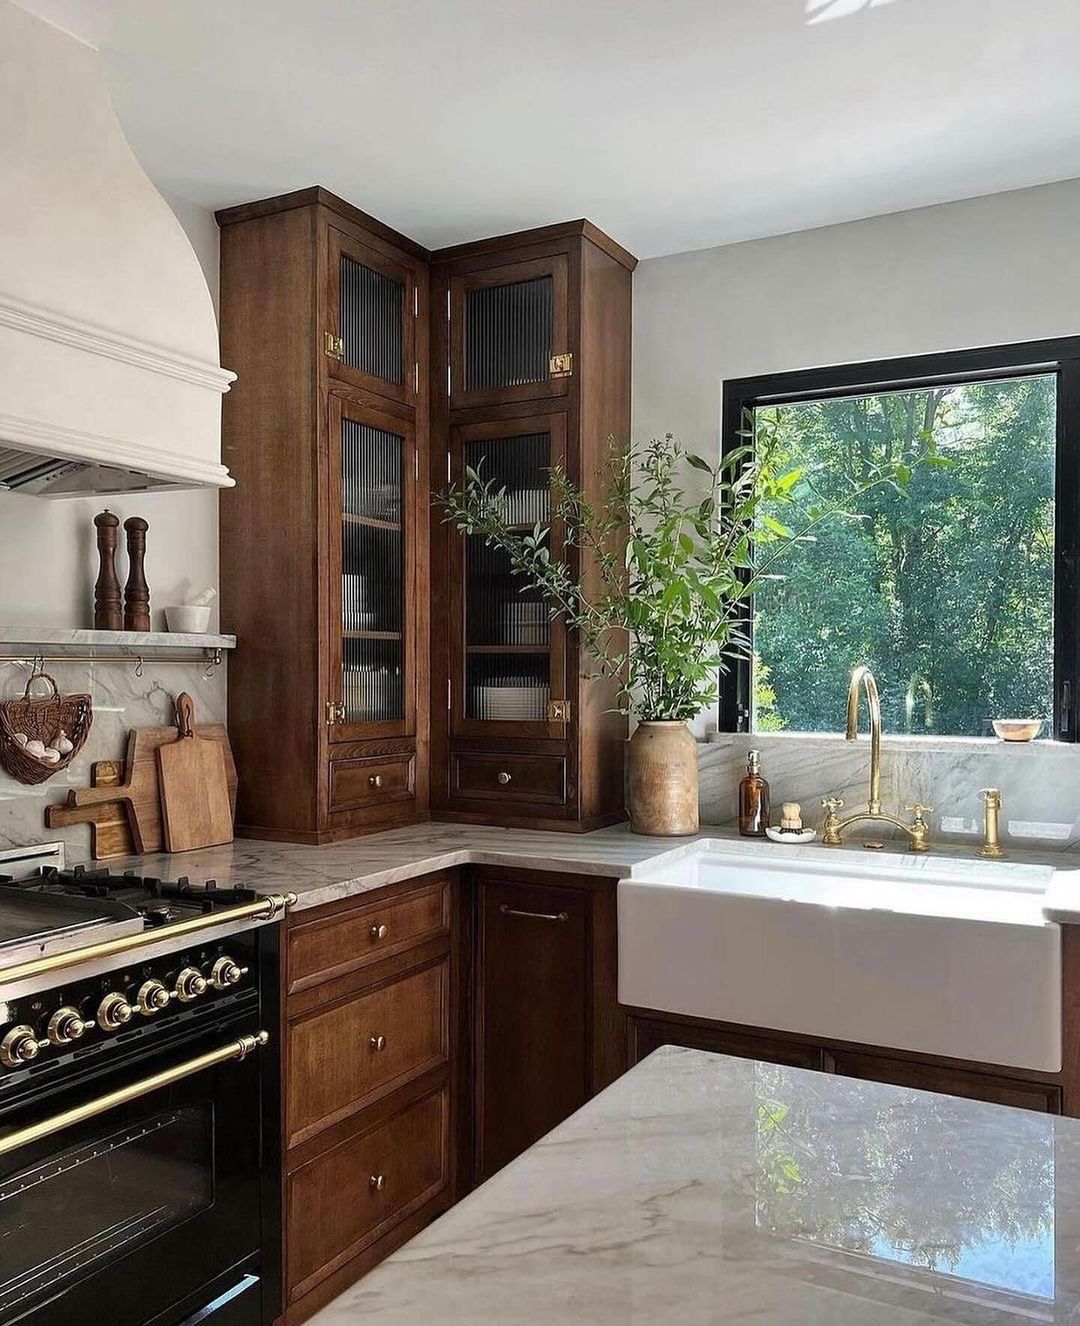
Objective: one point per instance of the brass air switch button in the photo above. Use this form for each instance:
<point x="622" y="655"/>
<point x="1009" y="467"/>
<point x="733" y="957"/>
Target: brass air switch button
<point x="18" y="1047"/>
<point x="153" y="996"/>
<point x="66" y="1026"/>
<point x="114" y="1012"/>
<point x="226" y="973"/>
<point x="190" y="984"/>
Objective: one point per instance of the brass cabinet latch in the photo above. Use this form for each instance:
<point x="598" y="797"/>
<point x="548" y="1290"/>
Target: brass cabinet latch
<point x="561" y="366"/>
<point x="335" y="713"/>
<point x="334" y="346"/>
<point x="558" y="711"/>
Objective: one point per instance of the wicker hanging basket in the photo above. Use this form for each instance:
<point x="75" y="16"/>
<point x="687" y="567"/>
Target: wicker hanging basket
<point x="50" y="719"/>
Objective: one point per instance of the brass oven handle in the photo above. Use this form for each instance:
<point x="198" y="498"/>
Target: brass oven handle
<point x="237" y="1049"/>
<point x="265" y="909"/>
<point x="534" y="916"/>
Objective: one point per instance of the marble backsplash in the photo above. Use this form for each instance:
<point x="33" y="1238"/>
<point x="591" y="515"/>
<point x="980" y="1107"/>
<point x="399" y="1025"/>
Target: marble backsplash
<point x="122" y="700"/>
<point x="1039" y="782"/>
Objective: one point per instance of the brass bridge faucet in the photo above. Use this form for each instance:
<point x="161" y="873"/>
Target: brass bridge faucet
<point x="918" y="831"/>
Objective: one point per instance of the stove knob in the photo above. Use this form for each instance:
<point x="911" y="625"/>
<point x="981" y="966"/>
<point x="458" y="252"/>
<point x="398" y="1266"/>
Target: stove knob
<point x="189" y="985"/>
<point x="66" y="1026"/>
<point x="153" y="996"/>
<point x="114" y="1012"/>
<point x="19" y="1046"/>
<point x="226" y="973"/>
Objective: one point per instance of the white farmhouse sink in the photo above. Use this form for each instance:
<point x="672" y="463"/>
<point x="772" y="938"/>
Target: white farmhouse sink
<point x="926" y="954"/>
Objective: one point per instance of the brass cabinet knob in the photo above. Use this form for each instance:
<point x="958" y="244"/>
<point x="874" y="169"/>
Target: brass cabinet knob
<point x="375" y="780"/>
<point x="503" y="778"/>
<point x="65" y="1026"/>
<point x="378" y="1043"/>
<point x="152" y="998"/>
<point x="377" y="1182"/>
<point x="225" y="973"/>
<point x="19" y="1046"/>
<point x="114" y="1012"/>
<point x="379" y="931"/>
<point x="190" y="984"/>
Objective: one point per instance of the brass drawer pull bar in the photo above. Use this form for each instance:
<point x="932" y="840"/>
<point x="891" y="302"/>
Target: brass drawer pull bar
<point x="534" y="916"/>
<point x="237" y="1049"/>
<point x="266" y="909"/>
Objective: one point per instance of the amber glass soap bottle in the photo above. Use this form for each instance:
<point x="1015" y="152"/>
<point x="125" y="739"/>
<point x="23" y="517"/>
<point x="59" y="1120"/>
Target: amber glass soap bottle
<point x="753" y="799"/>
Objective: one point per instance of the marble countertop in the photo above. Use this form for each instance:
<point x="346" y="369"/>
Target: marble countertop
<point x="339" y="870"/>
<point x="701" y="1189"/>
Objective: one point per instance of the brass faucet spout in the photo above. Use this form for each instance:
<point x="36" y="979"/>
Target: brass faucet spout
<point x="862" y="678"/>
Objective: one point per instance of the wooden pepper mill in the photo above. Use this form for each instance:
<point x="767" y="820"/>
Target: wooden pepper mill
<point x="136" y="591"/>
<point x="108" y="606"/>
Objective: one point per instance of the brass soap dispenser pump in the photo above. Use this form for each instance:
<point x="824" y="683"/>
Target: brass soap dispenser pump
<point x="753" y="799"/>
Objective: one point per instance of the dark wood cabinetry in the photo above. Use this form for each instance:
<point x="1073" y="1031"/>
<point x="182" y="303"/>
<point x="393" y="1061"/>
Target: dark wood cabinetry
<point x="547" y="1033"/>
<point x="649" y="1030"/>
<point x="535" y="331"/>
<point x="324" y="539"/>
<point x="327" y="538"/>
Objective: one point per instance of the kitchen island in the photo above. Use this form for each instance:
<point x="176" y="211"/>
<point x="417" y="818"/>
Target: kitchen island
<point x="706" y="1189"/>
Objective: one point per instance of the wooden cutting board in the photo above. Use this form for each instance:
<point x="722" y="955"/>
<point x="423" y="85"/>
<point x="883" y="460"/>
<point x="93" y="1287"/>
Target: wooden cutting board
<point x="110" y="832"/>
<point x="195" y="807"/>
<point x="140" y="792"/>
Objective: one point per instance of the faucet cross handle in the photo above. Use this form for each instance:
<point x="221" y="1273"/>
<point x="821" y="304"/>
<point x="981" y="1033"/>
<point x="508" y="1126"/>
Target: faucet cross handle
<point x="833" y="804"/>
<point x="919" y="810"/>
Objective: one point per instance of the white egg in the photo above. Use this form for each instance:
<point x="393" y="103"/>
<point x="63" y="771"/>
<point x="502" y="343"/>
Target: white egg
<point x="36" y="747"/>
<point x="21" y="738"/>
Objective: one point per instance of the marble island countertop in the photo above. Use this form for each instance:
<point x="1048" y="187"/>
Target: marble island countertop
<point x="701" y="1189"/>
<point x="325" y="874"/>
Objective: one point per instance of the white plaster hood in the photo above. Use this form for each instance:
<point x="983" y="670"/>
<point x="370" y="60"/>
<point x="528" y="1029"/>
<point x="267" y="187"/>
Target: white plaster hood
<point x="109" y="372"/>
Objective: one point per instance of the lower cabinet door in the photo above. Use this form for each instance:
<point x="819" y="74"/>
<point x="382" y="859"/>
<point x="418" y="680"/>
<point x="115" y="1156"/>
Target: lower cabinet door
<point x="649" y="1033"/>
<point x="1045" y="1098"/>
<point x="342" y="1201"/>
<point x="533" y="1016"/>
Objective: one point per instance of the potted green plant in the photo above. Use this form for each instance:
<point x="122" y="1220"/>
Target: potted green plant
<point x="675" y="548"/>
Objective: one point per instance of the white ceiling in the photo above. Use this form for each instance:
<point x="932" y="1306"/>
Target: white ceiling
<point x="673" y="124"/>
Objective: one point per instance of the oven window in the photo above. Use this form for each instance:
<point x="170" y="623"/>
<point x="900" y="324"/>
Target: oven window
<point x="80" y="1208"/>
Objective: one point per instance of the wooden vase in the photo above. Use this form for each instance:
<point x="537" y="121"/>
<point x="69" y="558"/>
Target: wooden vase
<point x="663" y="780"/>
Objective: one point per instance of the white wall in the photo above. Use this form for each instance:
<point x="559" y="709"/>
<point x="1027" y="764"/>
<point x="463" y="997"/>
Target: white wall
<point x="982" y="272"/>
<point x="47" y="548"/>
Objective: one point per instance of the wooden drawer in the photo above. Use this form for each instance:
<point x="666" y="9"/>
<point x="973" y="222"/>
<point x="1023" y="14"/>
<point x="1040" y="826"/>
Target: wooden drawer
<point x="346" y="941"/>
<point x="378" y="780"/>
<point x="347" y="1055"/>
<point x="487" y="777"/>
<point x="343" y="1200"/>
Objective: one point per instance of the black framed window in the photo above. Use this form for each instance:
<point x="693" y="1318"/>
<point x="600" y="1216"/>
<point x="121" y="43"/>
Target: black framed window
<point x="961" y="592"/>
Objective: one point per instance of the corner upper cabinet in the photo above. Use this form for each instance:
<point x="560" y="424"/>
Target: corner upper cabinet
<point x="372" y="303"/>
<point x="509" y="332"/>
<point x="530" y="369"/>
<point x="324" y="539"/>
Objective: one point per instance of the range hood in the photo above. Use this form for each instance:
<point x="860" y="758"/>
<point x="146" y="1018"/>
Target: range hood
<point x="109" y="374"/>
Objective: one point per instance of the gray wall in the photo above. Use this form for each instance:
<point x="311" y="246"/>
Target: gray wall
<point x="997" y="269"/>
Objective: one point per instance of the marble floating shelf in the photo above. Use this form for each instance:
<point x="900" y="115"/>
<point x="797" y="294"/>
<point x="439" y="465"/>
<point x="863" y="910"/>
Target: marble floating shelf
<point x="40" y="640"/>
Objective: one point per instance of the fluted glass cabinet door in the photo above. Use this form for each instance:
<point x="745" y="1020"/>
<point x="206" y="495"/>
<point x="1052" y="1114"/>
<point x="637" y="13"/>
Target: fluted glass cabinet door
<point x="508" y="656"/>
<point x="509" y="333"/>
<point x="372" y="596"/>
<point x="373" y="308"/>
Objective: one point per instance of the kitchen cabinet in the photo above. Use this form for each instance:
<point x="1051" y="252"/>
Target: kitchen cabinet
<point x="547" y="1032"/>
<point x="324" y="538"/>
<point x="648" y="1030"/>
<point x="530" y="370"/>
<point x="370" y="1032"/>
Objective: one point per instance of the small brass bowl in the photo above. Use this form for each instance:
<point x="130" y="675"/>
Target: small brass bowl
<point x="1018" y="729"/>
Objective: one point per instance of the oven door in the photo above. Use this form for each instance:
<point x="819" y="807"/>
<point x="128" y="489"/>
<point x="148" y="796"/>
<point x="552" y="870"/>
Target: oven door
<point x="121" y="1199"/>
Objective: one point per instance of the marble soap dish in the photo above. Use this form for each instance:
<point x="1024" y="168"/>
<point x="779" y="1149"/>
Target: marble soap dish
<point x="790" y="835"/>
